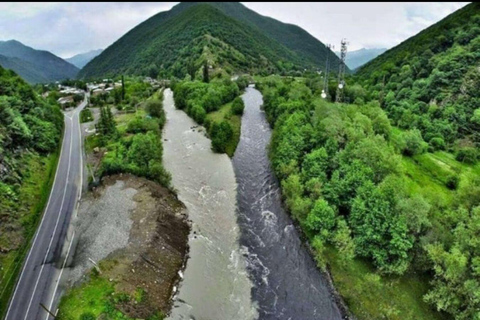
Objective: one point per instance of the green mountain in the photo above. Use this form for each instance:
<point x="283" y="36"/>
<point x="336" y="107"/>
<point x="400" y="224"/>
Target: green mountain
<point x="25" y="69"/>
<point x="359" y="57"/>
<point x="81" y="59"/>
<point x="35" y="66"/>
<point x="228" y="35"/>
<point x="432" y="81"/>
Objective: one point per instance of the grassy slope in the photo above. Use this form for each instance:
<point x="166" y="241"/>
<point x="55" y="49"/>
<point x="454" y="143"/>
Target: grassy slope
<point x="370" y="297"/>
<point x="32" y="202"/>
<point x="224" y="113"/>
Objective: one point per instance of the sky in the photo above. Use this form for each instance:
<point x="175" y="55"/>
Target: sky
<point x="69" y="28"/>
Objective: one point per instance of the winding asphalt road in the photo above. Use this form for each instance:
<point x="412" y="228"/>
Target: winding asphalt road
<point x="42" y="270"/>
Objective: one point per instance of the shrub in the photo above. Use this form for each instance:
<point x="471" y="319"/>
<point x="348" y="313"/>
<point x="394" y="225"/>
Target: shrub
<point x="437" y="143"/>
<point x="467" y="155"/>
<point x="238" y="106"/>
<point x="220" y="133"/>
<point x="154" y="107"/>
<point x="452" y="182"/>
<point x="413" y="143"/>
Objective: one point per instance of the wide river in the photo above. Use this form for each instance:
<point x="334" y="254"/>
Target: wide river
<point x="216" y="285"/>
<point x="246" y="258"/>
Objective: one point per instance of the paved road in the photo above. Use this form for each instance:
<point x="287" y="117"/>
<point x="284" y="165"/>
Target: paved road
<point x="43" y="267"/>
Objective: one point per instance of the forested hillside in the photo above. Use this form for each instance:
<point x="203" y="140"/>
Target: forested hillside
<point x="177" y="42"/>
<point x="308" y="48"/>
<point x="388" y="189"/>
<point x="432" y="80"/>
<point x="35" y="66"/>
<point x="25" y="69"/>
<point x="30" y="131"/>
<point x="396" y="225"/>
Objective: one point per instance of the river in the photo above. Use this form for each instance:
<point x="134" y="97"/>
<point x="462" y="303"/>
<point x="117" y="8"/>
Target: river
<point x="246" y="257"/>
<point x="287" y="283"/>
<point x="216" y="285"/>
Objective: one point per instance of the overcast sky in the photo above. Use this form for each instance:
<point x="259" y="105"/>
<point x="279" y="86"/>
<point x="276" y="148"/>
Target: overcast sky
<point x="68" y="28"/>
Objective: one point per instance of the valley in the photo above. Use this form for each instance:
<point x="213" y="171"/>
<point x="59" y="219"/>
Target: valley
<point x="216" y="163"/>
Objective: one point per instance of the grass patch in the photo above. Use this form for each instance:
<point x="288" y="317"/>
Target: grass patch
<point x="86" y="115"/>
<point x="372" y="297"/>
<point x="98" y="298"/>
<point x="225" y="113"/>
<point x="92" y="297"/>
<point x="38" y="177"/>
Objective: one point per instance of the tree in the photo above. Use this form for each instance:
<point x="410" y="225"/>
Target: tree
<point x="106" y="125"/>
<point x="412" y="142"/>
<point x="238" y="106"/>
<point x="379" y="231"/>
<point x="321" y="218"/>
<point x="315" y="165"/>
<point x="145" y="150"/>
<point x="205" y="72"/>
<point x="154" y="107"/>
<point x="221" y="133"/>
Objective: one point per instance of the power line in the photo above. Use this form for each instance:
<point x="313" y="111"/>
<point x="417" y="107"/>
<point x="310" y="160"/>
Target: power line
<point x="327" y="69"/>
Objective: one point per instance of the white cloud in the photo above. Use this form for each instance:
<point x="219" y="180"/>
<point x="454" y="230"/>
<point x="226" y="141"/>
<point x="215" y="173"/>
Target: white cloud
<point x="11" y="10"/>
<point x="68" y="28"/>
<point x="364" y="24"/>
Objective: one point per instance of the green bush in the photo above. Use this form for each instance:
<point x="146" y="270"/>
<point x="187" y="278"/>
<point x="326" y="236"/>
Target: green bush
<point x="143" y="125"/>
<point x="238" y="106"/>
<point x="86" y="115"/>
<point x="467" y="155"/>
<point x="452" y="182"/>
<point x="154" y="107"/>
<point x="413" y="143"/>
<point x="437" y="143"/>
<point x="87" y="316"/>
<point x="220" y="134"/>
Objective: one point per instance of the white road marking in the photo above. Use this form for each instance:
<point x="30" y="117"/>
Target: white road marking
<point x="38" y="230"/>
<point x="55" y="229"/>
<point x="79" y="196"/>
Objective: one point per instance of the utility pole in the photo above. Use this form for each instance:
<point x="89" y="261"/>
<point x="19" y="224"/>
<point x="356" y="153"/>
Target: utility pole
<point x="341" y="71"/>
<point x="123" y="89"/>
<point x="327" y="67"/>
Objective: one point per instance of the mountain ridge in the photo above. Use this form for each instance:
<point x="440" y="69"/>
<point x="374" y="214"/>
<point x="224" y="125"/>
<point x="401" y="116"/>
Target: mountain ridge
<point x="164" y="44"/>
<point x="81" y="59"/>
<point x="40" y="65"/>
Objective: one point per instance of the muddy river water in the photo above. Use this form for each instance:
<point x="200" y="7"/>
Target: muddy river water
<point x="246" y="258"/>
<point x="216" y="285"/>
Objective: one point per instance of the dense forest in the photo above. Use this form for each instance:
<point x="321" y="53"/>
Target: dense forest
<point x="30" y="131"/>
<point x="173" y="43"/>
<point x="356" y="183"/>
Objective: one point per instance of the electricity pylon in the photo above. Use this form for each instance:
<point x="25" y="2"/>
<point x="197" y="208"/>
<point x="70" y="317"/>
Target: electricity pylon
<point x="341" y="71"/>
